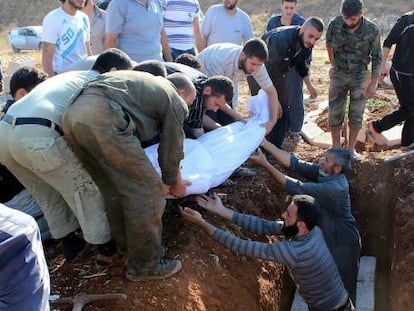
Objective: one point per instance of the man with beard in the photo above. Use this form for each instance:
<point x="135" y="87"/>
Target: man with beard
<point x="212" y="94"/>
<point x="225" y="23"/>
<point x="65" y="37"/>
<point x="236" y="63"/>
<point x="290" y="48"/>
<point x="352" y="41"/>
<point x="290" y="17"/>
<point x="329" y="186"/>
<point x="304" y="252"/>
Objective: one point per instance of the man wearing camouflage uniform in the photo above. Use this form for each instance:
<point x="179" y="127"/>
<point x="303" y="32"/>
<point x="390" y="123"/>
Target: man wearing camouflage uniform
<point x="352" y="41"/>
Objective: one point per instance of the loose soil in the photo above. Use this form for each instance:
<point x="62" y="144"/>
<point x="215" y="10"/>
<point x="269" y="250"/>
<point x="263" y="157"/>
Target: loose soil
<point x="214" y="278"/>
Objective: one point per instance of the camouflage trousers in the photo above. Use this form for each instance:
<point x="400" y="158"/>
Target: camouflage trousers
<point x="102" y="135"/>
<point x="341" y="85"/>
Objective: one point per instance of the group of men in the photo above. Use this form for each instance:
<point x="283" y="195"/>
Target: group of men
<point x="75" y="142"/>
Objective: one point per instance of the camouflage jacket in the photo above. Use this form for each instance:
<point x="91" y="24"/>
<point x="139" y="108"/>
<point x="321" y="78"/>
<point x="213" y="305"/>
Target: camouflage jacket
<point x="352" y="52"/>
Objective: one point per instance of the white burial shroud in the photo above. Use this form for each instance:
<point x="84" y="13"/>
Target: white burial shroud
<point x="213" y="157"/>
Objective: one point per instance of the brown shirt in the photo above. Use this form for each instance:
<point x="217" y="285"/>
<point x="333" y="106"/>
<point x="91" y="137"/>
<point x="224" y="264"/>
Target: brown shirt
<point x="156" y="110"/>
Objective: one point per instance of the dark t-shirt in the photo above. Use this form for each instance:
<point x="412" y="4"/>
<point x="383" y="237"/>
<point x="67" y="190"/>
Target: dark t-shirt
<point x="195" y="111"/>
<point x="402" y="34"/>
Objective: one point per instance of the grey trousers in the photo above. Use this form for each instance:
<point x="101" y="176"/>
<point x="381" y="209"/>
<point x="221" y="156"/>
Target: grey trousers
<point x="44" y="163"/>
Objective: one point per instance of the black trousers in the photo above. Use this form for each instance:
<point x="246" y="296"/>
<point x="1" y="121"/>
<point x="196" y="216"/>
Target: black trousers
<point x="404" y="86"/>
<point x="277" y="135"/>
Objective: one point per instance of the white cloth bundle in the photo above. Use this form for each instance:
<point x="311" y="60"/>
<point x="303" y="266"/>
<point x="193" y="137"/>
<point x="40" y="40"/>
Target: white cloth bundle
<point x="213" y="157"/>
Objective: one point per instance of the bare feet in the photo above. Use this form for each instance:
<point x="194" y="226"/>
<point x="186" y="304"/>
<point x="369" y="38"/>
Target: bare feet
<point x="372" y="134"/>
<point x="407" y="148"/>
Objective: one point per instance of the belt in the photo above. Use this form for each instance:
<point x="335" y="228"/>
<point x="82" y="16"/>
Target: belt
<point x="40" y="121"/>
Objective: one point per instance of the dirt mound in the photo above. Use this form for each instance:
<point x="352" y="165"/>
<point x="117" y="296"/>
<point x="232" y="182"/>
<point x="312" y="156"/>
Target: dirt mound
<point x="214" y="278"/>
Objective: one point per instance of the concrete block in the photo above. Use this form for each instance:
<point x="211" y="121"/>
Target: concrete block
<point x="307" y="99"/>
<point x="365" y="300"/>
<point x="324" y="140"/>
<point x="20" y="61"/>
<point x="323" y="105"/>
<point x="398" y="157"/>
<point x="314" y="114"/>
<point x="393" y="136"/>
<point x="362" y="134"/>
<point x="298" y="303"/>
<point x="310" y="131"/>
<point x="365" y="287"/>
<point x="366" y="271"/>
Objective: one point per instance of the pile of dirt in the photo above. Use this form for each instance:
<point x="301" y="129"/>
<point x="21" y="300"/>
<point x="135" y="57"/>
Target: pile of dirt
<point x="402" y="270"/>
<point x="212" y="278"/>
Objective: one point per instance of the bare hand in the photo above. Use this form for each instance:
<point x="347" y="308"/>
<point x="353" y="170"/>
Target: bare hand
<point x="371" y="90"/>
<point x="259" y="159"/>
<point x="268" y="126"/>
<point x="179" y="189"/>
<point x="190" y="215"/>
<point x="383" y="73"/>
<point x="312" y="91"/>
<point x="213" y="204"/>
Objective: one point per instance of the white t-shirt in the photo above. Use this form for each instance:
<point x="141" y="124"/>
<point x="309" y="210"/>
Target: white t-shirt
<point x="223" y="59"/>
<point x="219" y="26"/>
<point x="69" y="34"/>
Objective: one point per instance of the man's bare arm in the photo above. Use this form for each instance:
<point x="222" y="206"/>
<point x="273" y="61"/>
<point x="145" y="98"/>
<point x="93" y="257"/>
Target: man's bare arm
<point x="110" y="40"/>
<point x="48" y="49"/>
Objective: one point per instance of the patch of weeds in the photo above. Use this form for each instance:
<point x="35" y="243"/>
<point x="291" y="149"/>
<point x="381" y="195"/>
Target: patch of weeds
<point x="374" y="104"/>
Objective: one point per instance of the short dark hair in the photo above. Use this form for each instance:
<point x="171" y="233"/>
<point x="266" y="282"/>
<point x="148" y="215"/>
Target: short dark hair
<point x="342" y="157"/>
<point x="315" y="22"/>
<point x="220" y="85"/>
<point x="26" y="78"/>
<point x="112" y="58"/>
<point x="256" y="48"/>
<point x="351" y="7"/>
<point x="295" y="1"/>
<point x="189" y="60"/>
<point x="182" y="82"/>
<point x="152" y="66"/>
<point x="308" y="209"/>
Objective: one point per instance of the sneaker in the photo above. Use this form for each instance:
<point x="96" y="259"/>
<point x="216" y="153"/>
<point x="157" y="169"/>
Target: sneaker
<point x="243" y="172"/>
<point x="164" y="269"/>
